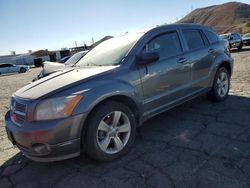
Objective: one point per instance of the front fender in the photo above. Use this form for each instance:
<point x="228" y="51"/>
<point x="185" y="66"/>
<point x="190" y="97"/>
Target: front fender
<point x="105" y="90"/>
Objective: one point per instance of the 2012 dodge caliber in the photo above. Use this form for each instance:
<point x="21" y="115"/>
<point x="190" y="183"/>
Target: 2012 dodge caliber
<point x="96" y="105"/>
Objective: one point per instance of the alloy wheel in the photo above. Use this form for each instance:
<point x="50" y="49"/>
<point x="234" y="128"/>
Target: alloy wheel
<point x="113" y="132"/>
<point x="222" y="84"/>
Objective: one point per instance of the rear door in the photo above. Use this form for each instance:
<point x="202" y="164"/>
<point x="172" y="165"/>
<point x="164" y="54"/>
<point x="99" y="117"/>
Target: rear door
<point x="200" y="55"/>
<point x="165" y="81"/>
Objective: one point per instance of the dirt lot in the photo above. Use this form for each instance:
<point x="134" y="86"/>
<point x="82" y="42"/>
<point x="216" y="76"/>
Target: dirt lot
<point x="198" y="144"/>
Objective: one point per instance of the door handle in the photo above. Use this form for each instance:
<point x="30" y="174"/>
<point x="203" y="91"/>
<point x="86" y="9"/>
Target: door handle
<point x="211" y="50"/>
<point x="182" y="60"/>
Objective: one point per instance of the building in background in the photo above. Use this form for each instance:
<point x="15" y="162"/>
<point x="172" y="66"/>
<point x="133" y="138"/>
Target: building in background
<point x="34" y="58"/>
<point x="38" y="57"/>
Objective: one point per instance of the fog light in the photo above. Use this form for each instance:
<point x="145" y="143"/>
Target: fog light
<point x="41" y="148"/>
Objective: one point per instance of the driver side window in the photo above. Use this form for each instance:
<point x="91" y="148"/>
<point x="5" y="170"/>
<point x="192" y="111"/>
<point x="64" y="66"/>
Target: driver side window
<point x="166" y="45"/>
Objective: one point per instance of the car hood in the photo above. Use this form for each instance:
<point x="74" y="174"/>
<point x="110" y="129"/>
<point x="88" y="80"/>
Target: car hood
<point x="245" y="38"/>
<point x="59" y="80"/>
<point x="50" y="67"/>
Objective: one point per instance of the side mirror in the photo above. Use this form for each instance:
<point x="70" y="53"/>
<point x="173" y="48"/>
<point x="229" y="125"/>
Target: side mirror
<point x="147" y="58"/>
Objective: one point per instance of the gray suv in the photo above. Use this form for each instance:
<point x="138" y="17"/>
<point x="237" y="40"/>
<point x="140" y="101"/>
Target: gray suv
<point x="96" y="105"/>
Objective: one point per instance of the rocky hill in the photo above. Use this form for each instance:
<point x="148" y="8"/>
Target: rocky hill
<point x="228" y="17"/>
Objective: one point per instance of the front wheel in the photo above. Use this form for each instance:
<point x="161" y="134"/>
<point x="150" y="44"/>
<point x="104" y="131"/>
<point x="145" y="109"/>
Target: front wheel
<point x="240" y="46"/>
<point x="111" y="131"/>
<point x="22" y="70"/>
<point x="221" y="85"/>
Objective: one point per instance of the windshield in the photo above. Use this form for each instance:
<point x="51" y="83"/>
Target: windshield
<point x="246" y="35"/>
<point x="110" y="52"/>
<point x="74" y="59"/>
<point x="224" y="36"/>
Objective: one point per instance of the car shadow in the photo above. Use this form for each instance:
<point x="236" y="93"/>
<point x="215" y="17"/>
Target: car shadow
<point x="9" y="74"/>
<point x="171" y="148"/>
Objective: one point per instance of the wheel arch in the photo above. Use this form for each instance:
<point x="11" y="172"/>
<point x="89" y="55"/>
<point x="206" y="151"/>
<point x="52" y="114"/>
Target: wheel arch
<point x="222" y="60"/>
<point x="226" y="64"/>
<point x="124" y="99"/>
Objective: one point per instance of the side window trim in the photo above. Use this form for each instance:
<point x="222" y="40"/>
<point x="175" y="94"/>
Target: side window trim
<point x="204" y="38"/>
<point x="203" y="31"/>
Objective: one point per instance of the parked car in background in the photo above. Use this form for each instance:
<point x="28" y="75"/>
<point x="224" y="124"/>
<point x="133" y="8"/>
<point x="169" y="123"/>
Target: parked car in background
<point x="63" y="60"/>
<point x="246" y="39"/>
<point x="234" y="39"/>
<point x="96" y="105"/>
<point x="50" y="67"/>
<point x="12" y="68"/>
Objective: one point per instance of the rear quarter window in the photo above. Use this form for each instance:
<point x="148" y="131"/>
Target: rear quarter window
<point x="193" y="38"/>
<point x="211" y="36"/>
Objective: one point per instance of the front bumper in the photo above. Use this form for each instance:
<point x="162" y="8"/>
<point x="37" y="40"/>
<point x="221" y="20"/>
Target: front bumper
<point x="234" y="44"/>
<point x="45" y="141"/>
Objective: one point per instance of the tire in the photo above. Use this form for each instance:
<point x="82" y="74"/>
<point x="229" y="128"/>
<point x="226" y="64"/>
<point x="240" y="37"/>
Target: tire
<point x="22" y="70"/>
<point x="216" y="94"/>
<point x="240" y="46"/>
<point x="105" y="145"/>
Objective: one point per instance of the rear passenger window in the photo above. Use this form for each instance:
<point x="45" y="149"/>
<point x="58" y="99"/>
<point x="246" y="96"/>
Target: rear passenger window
<point x="212" y="37"/>
<point x="193" y="38"/>
<point x="166" y="45"/>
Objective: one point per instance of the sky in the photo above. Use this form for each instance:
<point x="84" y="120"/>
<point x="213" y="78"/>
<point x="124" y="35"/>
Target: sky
<point x="55" y="24"/>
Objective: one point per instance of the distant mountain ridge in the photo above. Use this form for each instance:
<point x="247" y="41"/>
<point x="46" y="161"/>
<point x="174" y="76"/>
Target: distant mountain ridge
<point x="228" y="17"/>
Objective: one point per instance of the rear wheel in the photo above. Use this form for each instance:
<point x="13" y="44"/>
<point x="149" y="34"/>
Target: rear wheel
<point x="221" y="85"/>
<point x="111" y="131"/>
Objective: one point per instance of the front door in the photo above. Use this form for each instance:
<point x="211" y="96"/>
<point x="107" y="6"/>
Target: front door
<point x="166" y="80"/>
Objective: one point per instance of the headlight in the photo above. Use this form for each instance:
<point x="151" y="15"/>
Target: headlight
<point x="56" y="108"/>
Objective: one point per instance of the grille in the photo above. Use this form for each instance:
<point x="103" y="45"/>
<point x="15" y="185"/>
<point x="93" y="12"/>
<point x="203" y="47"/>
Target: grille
<point x="18" y="113"/>
<point x="20" y="107"/>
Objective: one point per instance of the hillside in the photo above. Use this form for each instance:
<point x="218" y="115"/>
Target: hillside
<point x="228" y="17"/>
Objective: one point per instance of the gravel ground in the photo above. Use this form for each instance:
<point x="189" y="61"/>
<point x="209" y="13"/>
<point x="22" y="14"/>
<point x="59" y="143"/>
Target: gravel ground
<point x="198" y="144"/>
